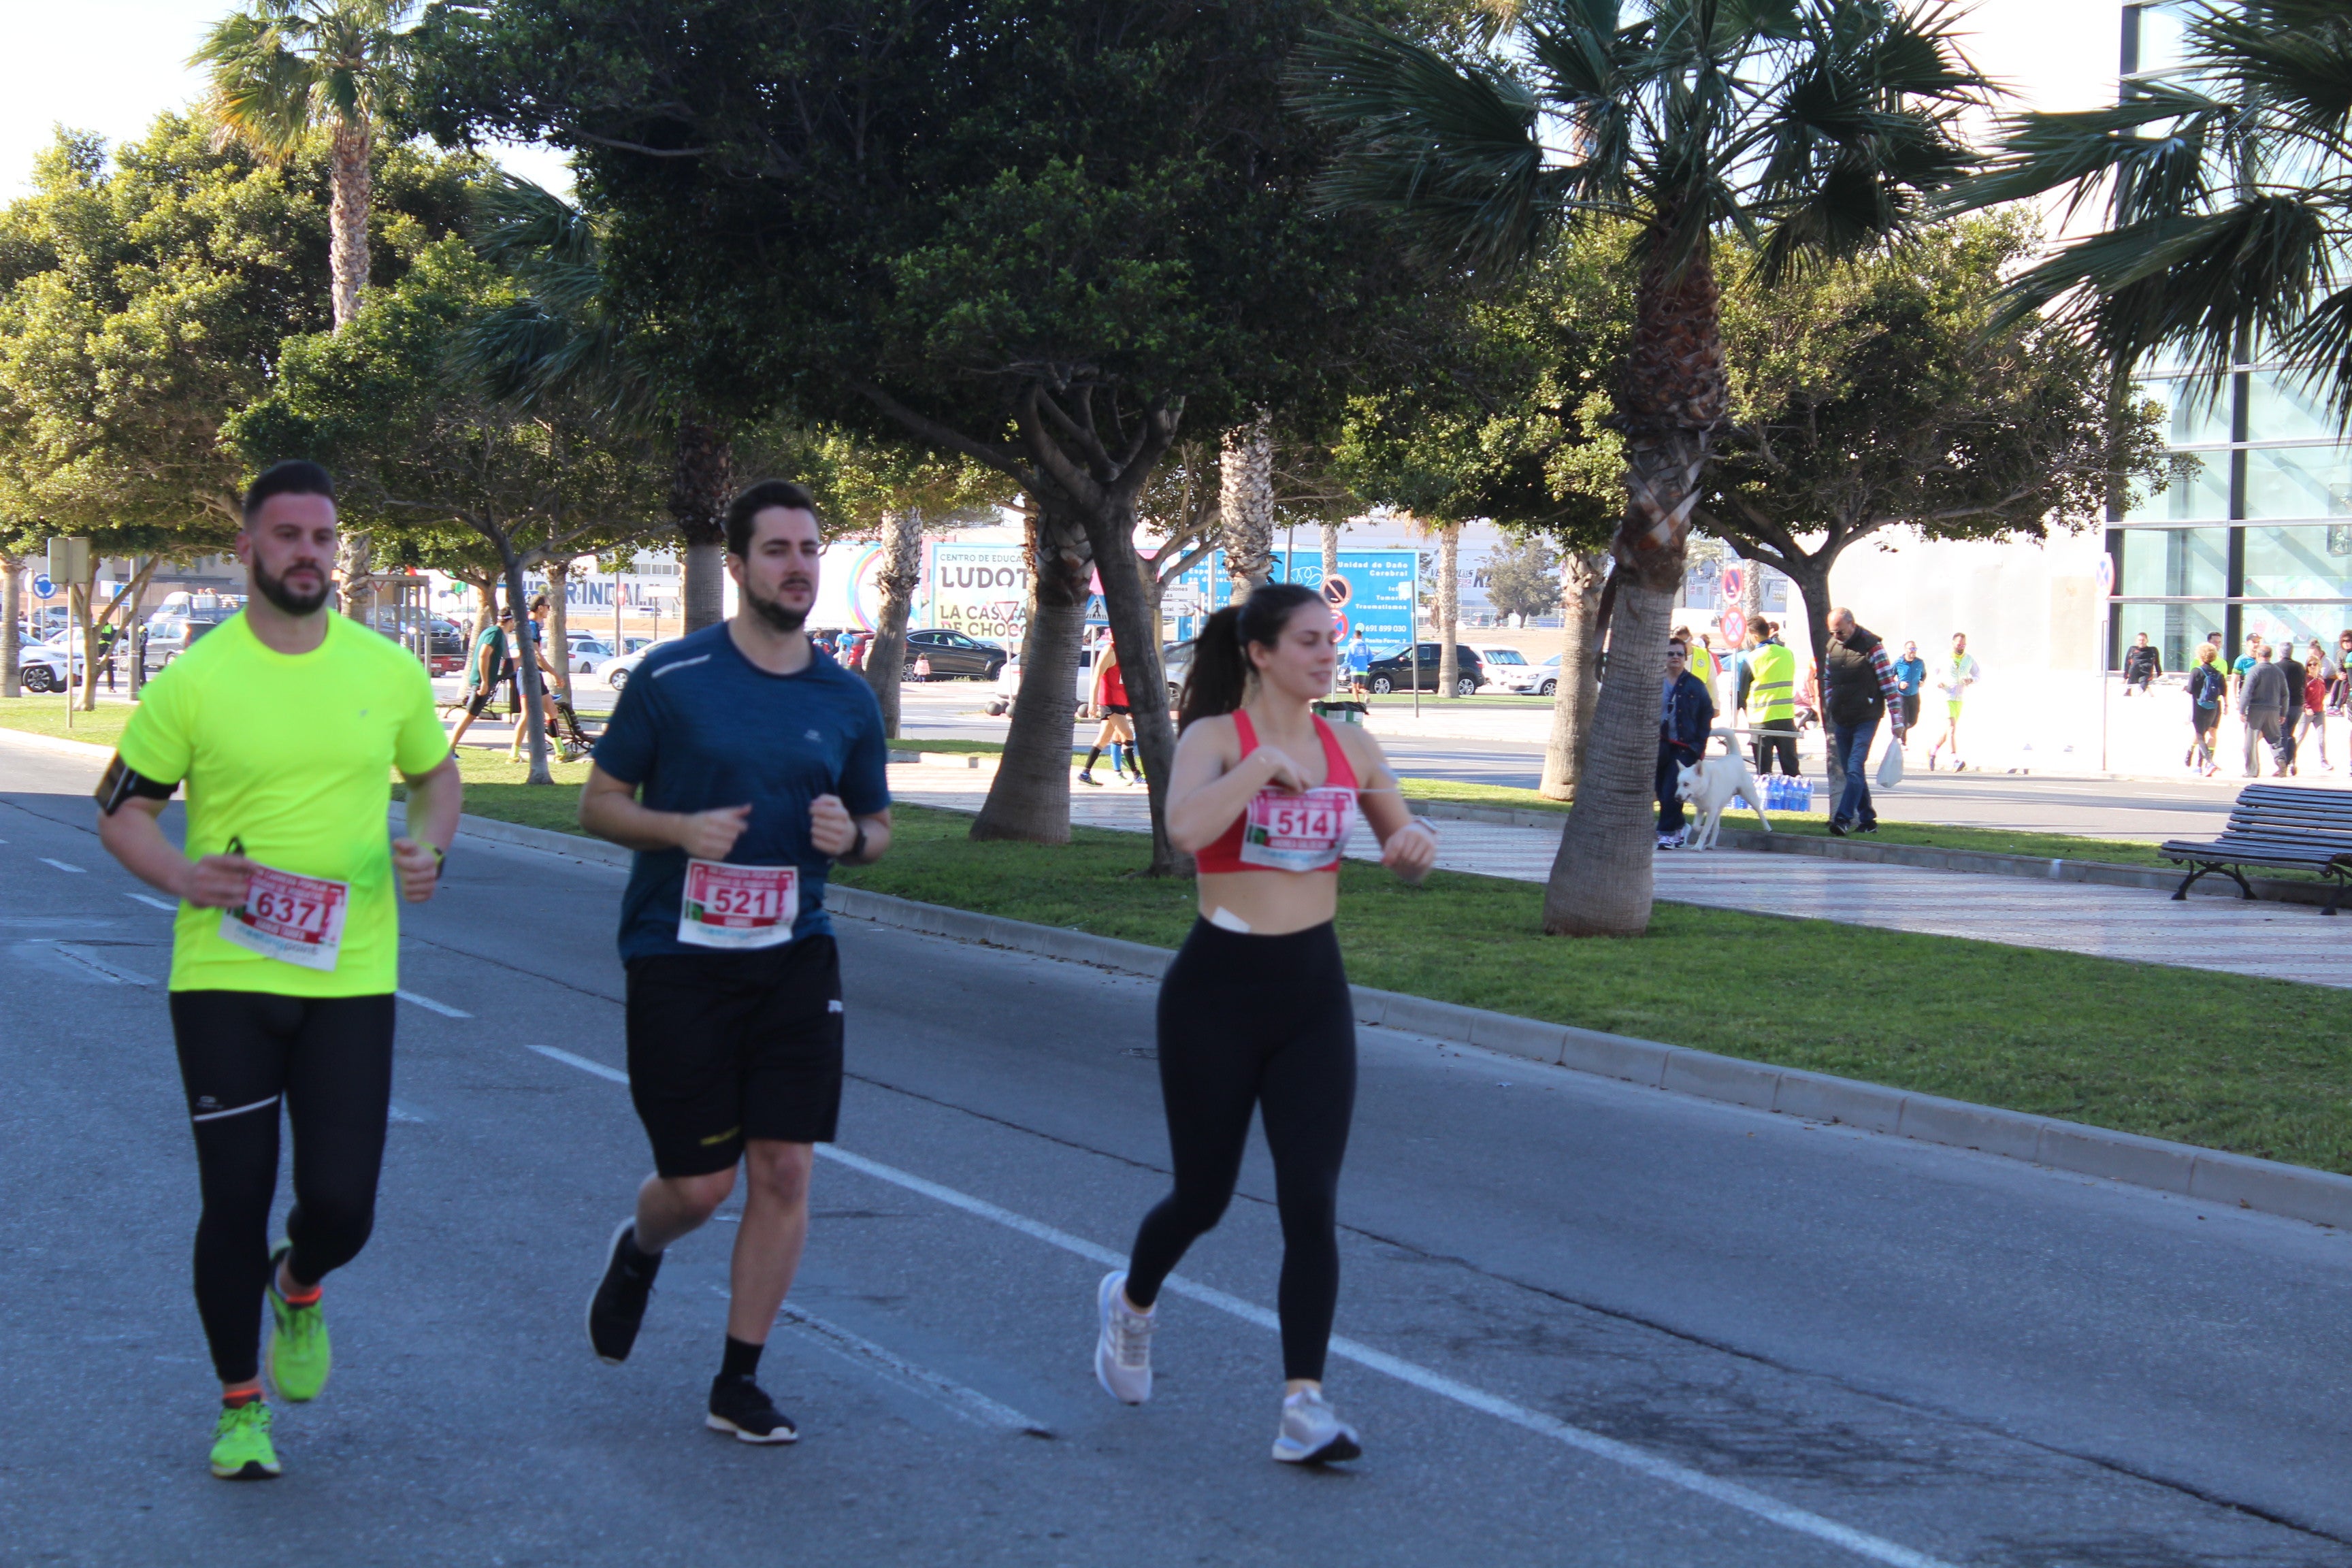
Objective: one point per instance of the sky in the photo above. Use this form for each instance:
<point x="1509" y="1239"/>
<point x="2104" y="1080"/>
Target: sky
<point x="109" y="66"/>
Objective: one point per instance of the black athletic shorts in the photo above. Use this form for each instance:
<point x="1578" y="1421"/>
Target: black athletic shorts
<point x="727" y="1047"/>
<point x="1114" y="707"/>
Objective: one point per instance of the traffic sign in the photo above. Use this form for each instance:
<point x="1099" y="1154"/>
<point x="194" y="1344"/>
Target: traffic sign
<point x="1336" y="591"/>
<point x="1734" y="625"/>
<point x="43" y="588"/>
<point x="2107" y="573"/>
<point x="1734" y="579"/>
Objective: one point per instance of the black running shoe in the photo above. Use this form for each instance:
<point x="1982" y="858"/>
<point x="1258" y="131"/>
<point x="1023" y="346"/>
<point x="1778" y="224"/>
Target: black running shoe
<point x="617" y="1309"/>
<point x="739" y="1405"/>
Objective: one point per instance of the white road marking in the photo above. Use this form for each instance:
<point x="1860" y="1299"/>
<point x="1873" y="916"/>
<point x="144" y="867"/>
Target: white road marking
<point x="1771" y="1510"/>
<point x="582" y="1063"/>
<point x="400" y="1113"/>
<point x="962" y="1399"/>
<point x="430" y="1005"/>
<point x="154" y="903"/>
<point x="61" y="866"/>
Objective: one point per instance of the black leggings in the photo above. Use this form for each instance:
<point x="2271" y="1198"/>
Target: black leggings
<point x="330" y="1060"/>
<point x="1246" y="1022"/>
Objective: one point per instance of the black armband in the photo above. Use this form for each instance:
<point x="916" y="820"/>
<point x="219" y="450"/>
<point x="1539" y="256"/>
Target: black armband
<point x="121" y="782"/>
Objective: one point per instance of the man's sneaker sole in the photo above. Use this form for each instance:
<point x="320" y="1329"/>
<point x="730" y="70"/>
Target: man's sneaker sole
<point x="251" y="1470"/>
<point x="718" y="1423"/>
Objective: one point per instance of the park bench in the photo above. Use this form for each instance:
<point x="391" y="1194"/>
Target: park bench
<point x="2275" y="827"/>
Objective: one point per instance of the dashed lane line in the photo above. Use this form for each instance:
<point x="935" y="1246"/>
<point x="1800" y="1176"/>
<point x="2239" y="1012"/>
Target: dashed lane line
<point x="430" y="1005"/>
<point x="1746" y="1499"/>
<point x="64" y="865"/>
<point x="153" y="903"/>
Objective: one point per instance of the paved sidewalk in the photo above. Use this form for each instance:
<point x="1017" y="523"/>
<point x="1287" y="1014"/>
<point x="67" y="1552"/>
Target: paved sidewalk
<point x="2279" y="942"/>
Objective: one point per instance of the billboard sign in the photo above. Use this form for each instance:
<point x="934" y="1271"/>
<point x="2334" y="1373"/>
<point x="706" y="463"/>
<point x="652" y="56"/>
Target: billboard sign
<point x="982" y="591"/>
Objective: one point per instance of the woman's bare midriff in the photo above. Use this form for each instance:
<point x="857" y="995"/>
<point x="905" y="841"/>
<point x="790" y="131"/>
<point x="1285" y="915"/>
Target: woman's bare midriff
<point x="1270" y="903"/>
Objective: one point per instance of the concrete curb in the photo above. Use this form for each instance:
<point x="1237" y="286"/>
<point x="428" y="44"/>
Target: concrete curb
<point x="2207" y="1174"/>
<point x="1982" y="862"/>
<point x="41" y="742"/>
<point x="2185" y="1170"/>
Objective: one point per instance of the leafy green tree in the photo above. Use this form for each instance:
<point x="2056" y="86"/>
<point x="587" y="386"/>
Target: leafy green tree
<point x="143" y="300"/>
<point x="2227" y="207"/>
<point x="1889" y="396"/>
<point x="1815" y="128"/>
<point x="418" y="443"/>
<point x="1045" y="238"/>
<point x="1523" y="578"/>
<point x="1509" y="421"/>
<point x="284" y="69"/>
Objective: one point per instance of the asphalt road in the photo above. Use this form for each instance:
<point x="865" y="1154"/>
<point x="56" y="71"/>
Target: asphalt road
<point x="1605" y="1325"/>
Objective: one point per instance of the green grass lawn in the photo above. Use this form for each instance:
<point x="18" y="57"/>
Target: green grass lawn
<point x="45" y="715"/>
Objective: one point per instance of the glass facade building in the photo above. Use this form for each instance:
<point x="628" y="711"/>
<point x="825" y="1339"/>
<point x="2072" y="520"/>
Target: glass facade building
<point x="2254" y="533"/>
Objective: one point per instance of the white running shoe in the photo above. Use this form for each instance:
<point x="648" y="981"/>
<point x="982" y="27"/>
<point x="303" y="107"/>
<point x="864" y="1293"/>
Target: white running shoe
<point x="1312" y="1432"/>
<point x="1123" y="1349"/>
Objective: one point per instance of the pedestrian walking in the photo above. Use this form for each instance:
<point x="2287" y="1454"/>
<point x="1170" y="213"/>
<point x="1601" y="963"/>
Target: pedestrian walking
<point x="1862" y="691"/>
<point x="532" y="635"/>
<point x="1116" y="730"/>
<point x="2209" y="691"/>
<point x="1359" y="665"/>
<point x="1911" y="676"/>
<point x="2291" y="682"/>
<point x="1686" y="714"/>
<point x="2314" y="719"/>
<point x="287" y="723"/>
<point x="2142" y="664"/>
<point x="1959" y="672"/>
<point x="1255" y="1011"/>
<point x="1767" y="692"/>
<point x="2261" y="707"/>
<point x="486" y="666"/>
<point x="2257" y="652"/>
<point x="761" y="767"/>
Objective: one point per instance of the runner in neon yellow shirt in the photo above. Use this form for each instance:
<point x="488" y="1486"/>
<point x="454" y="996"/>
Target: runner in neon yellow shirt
<point x="286" y="723"/>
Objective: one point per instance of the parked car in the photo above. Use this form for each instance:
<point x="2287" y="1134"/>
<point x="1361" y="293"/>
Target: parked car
<point x="615" y="672"/>
<point x="953" y="654"/>
<point x="170" y="634"/>
<point x="43" y="665"/>
<point x="445" y="640"/>
<point x="1546" y="678"/>
<point x="1176" y="658"/>
<point x="1395" y="673"/>
<point x="1509" y="669"/>
<point x="590" y="653"/>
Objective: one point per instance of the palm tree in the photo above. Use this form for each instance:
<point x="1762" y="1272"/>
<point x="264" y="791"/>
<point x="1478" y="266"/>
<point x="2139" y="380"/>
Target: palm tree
<point x="2228" y="197"/>
<point x="1816" y="129"/>
<point x="284" y="67"/>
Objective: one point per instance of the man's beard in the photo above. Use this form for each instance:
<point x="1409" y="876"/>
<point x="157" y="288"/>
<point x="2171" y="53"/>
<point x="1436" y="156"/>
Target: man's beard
<point x="774" y="611"/>
<point x="274" y="589"/>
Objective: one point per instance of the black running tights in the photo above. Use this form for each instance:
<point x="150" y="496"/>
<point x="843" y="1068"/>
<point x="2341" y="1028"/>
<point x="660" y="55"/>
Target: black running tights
<point x="1265" y="1023"/>
<point x="328" y="1061"/>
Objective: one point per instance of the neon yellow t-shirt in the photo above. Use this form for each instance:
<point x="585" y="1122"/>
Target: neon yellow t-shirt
<point x="292" y="755"/>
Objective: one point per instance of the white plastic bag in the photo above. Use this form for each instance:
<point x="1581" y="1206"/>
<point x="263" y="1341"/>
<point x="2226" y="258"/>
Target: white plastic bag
<point x="1890" y="767"/>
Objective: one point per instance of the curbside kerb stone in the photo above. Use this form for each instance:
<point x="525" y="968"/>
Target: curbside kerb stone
<point x="2208" y="1175"/>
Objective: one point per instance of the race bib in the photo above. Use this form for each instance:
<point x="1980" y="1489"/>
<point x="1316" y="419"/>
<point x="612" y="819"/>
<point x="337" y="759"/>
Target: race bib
<point x="1297" y="832"/>
<point x="295" y="920"/>
<point x="739" y="906"/>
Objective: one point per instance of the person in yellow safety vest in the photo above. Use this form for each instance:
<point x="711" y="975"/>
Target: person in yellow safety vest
<point x="1703" y="663"/>
<point x="1767" y="690"/>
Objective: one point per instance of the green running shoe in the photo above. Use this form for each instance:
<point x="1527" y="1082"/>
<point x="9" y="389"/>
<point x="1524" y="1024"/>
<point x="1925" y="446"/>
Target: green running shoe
<point x="298" y="1356"/>
<point x="241" y="1450"/>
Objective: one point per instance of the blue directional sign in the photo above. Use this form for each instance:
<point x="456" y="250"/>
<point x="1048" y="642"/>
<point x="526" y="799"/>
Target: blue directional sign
<point x="42" y="587"/>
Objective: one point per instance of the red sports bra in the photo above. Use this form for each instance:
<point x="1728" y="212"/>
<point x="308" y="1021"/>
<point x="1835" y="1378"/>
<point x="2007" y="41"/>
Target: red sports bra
<point x="1279" y="831"/>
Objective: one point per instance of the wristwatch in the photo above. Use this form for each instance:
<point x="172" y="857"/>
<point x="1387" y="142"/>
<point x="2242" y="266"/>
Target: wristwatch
<point x="857" y="846"/>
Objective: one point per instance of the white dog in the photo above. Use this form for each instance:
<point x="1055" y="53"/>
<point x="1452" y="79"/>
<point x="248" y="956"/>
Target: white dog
<point x="1715" y="784"/>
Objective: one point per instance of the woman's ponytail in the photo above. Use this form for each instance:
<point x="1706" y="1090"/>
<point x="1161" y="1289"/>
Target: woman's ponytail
<point x="1220" y="674"/>
<point x="1219" y="679"/>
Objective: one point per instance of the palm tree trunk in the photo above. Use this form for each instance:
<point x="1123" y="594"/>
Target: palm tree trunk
<point x="12" y="604"/>
<point x="1330" y="551"/>
<point x="901" y="574"/>
<point x="1813" y="589"/>
<point x="352" y="183"/>
<point x="1582" y="576"/>
<point x="1449" y="608"/>
<point x="1602" y="878"/>
<point x="1246" y="473"/>
<point x="702" y="478"/>
<point x="527" y="678"/>
<point x="1030" y="800"/>
<point x="354" y="563"/>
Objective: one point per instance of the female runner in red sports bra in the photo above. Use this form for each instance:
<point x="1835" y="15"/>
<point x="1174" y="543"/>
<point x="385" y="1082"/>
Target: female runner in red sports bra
<point x="1255" y="1011"/>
